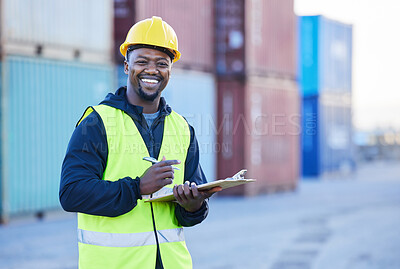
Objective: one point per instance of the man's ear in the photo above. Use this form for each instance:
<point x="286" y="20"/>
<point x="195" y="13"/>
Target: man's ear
<point x="126" y="65"/>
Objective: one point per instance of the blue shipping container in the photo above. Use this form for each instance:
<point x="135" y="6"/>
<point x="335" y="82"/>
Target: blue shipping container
<point x="310" y="137"/>
<point x="41" y="102"/>
<point x="327" y="134"/>
<point x="325" y="55"/>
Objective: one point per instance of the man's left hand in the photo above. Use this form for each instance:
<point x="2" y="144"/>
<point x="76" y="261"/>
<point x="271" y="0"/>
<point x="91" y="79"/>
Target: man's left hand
<point x="190" y="198"/>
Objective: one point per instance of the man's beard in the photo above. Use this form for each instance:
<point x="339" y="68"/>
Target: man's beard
<point x="148" y="97"/>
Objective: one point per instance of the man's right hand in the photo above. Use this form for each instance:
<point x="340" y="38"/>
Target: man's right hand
<point x="157" y="176"/>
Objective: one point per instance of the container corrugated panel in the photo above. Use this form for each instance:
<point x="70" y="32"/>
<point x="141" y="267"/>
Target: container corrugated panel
<point x="335" y="126"/>
<point x="230" y="131"/>
<point x="82" y="25"/>
<point x="327" y="135"/>
<point x="39" y="113"/>
<point x="308" y="55"/>
<point x="193" y="95"/>
<point x="271" y="35"/>
<point x="261" y="122"/>
<point x="325" y="49"/>
<point x="273" y="135"/>
<point x="335" y="55"/>
<point x="229" y="37"/>
<point x="194" y="25"/>
<point x="124" y="18"/>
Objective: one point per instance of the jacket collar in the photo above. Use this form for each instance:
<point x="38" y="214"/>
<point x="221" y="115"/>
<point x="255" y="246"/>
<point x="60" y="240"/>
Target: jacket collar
<point x="119" y="100"/>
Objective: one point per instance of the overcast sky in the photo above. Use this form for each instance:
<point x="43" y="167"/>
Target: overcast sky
<point x="376" y="56"/>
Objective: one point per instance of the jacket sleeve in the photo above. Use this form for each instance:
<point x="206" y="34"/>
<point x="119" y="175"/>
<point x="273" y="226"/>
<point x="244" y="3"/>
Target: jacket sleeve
<point x="81" y="187"/>
<point x="193" y="173"/>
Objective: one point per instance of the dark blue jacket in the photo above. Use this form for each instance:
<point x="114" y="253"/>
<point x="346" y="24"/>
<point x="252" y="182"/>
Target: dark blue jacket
<point x="82" y="188"/>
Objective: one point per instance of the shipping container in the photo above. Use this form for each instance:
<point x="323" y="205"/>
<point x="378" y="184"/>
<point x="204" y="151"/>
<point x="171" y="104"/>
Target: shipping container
<point x="273" y="144"/>
<point x="325" y="55"/>
<point x="121" y="77"/>
<point x="229" y="38"/>
<point x="41" y="102"/>
<point x="192" y="94"/>
<point x="327" y="135"/>
<point x="124" y="18"/>
<point x="310" y="137"/>
<point x="230" y="130"/>
<point x="81" y="28"/>
<point x="337" y="150"/>
<point x="259" y="129"/>
<point x="271" y="38"/>
<point x="193" y="23"/>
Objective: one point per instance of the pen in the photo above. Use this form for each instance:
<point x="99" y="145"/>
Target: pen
<point x="154" y="161"/>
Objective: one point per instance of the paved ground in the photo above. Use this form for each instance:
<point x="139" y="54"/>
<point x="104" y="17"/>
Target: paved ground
<point x="351" y="222"/>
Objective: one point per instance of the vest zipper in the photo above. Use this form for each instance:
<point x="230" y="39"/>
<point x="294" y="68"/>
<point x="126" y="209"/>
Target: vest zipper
<point x="151" y="143"/>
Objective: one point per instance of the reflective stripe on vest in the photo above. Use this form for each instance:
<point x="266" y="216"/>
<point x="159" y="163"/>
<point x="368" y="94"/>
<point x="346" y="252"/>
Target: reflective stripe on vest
<point x="129" y="239"/>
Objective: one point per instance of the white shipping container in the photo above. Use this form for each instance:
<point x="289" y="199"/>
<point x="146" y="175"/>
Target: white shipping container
<point x="193" y="95"/>
<point x="79" y="25"/>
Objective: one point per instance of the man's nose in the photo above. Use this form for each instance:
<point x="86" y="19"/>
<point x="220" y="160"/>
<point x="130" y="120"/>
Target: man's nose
<point x="151" y="68"/>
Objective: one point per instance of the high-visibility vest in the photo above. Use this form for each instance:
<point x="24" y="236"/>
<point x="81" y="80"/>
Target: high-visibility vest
<point x="129" y="240"/>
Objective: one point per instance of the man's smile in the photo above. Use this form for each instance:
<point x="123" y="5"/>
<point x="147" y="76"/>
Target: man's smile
<point x="149" y="81"/>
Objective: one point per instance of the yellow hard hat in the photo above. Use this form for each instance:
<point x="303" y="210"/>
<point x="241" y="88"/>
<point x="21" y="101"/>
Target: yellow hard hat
<point x="153" y="32"/>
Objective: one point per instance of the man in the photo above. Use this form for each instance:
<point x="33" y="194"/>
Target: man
<point x="105" y="179"/>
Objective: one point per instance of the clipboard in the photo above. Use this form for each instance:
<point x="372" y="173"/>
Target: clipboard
<point x="236" y="180"/>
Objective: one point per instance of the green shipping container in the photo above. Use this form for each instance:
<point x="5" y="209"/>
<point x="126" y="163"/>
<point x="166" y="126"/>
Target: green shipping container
<point x="41" y="101"/>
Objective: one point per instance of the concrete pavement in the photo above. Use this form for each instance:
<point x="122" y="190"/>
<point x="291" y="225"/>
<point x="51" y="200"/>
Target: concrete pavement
<point x="338" y="222"/>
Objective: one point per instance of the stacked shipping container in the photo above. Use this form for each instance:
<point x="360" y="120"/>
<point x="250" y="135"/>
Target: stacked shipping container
<point x="191" y="20"/>
<point x="258" y="102"/>
<point x="271" y="36"/>
<point x="325" y="66"/>
<point x="193" y="24"/>
<point x="56" y="60"/>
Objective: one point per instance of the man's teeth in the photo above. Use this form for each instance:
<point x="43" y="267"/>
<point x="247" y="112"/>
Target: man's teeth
<point x="149" y="80"/>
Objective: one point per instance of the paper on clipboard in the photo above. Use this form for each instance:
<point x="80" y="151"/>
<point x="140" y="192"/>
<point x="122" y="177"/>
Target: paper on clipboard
<point x="236" y="180"/>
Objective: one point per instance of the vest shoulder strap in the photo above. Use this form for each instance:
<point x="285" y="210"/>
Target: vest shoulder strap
<point x="99" y="109"/>
<point x="85" y="114"/>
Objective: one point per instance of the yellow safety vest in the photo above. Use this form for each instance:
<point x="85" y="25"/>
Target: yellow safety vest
<point x="129" y="240"/>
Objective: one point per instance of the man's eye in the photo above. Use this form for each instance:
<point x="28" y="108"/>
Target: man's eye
<point x="141" y="62"/>
<point x="162" y="64"/>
